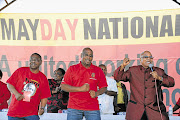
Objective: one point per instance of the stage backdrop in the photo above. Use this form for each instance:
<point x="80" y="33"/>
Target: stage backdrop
<point x="60" y="38"/>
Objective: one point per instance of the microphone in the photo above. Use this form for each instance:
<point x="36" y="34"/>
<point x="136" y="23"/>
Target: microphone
<point x="151" y="65"/>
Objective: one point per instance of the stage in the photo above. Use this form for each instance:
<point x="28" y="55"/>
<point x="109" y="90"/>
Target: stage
<point x="63" y="116"/>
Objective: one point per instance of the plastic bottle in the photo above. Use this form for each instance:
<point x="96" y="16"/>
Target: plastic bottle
<point x="100" y="108"/>
<point x="170" y="110"/>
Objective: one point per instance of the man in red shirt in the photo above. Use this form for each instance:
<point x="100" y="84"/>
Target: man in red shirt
<point x="4" y="94"/>
<point x="144" y="103"/>
<point x="30" y="89"/>
<point x="177" y="106"/>
<point x="81" y="81"/>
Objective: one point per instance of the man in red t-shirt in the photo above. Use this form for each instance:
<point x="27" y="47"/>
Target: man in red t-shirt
<point x="177" y="106"/>
<point x="85" y="82"/>
<point x="30" y="88"/>
<point x="4" y="94"/>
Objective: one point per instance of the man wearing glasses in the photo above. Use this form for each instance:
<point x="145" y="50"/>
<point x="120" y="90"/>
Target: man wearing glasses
<point x="143" y="79"/>
<point x="30" y="89"/>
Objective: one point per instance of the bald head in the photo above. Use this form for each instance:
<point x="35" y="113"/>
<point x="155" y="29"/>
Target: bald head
<point x="104" y="69"/>
<point x="145" y="52"/>
<point x="85" y="49"/>
<point x="87" y="57"/>
<point x="146" y="59"/>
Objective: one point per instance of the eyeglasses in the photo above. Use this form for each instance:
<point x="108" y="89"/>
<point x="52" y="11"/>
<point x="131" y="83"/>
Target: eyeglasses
<point x="146" y="57"/>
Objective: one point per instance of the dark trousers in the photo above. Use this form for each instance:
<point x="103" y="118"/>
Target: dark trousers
<point x="54" y="110"/>
<point x="144" y="116"/>
<point x="122" y="108"/>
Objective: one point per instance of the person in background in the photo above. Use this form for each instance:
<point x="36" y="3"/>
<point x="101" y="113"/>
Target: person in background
<point x="59" y="98"/>
<point x="4" y="94"/>
<point x="143" y="103"/>
<point x="106" y="99"/>
<point x="30" y="90"/>
<point x="121" y="100"/>
<point x="177" y="106"/>
<point x="81" y="81"/>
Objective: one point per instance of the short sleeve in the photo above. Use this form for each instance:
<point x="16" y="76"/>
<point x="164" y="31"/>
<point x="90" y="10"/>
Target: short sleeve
<point x="178" y="102"/>
<point x="113" y="86"/>
<point x="102" y="79"/>
<point x="45" y="90"/>
<point x="14" y="77"/>
<point x="67" y="77"/>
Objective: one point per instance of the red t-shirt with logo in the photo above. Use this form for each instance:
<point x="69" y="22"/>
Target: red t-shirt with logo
<point x="37" y="86"/>
<point x="78" y="75"/>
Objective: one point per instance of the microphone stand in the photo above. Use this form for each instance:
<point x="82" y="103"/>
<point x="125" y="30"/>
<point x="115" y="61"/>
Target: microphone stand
<point x="150" y="65"/>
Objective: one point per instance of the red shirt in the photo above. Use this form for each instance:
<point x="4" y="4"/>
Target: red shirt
<point x="24" y="80"/>
<point x="4" y="95"/>
<point x="78" y="75"/>
<point x="178" y="103"/>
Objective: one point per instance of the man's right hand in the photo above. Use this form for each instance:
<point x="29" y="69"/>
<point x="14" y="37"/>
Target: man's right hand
<point x="84" y="88"/>
<point x="126" y="61"/>
<point x="19" y="96"/>
<point x="117" y="109"/>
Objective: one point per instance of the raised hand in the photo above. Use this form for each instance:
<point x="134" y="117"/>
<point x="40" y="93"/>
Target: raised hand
<point x="126" y="61"/>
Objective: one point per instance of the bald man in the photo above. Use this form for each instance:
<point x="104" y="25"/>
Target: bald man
<point x="143" y="104"/>
<point x="81" y="81"/>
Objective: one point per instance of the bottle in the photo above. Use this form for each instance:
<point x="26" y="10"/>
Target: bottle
<point x="170" y="110"/>
<point x="64" y="111"/>
<point x="100" y="108"/>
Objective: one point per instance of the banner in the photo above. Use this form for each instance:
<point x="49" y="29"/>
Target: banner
<point x="60" y="38"/>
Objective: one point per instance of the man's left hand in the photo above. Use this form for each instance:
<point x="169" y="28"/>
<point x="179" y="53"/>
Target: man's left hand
<point x="93" y="94"/>
<point x="41" y="111"/>
<point x="155" y="75"/>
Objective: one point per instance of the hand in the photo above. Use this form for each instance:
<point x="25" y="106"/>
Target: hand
<point x="57" y="89"/>
<point x="41" y="111"/>
<point x="19" y="96"/>
<point x="84" y="88"/>
<point x="117" y="109"/>
<point x="126" y="61"/>
<point x="93" y="94"/>
<point x="155" y="75"/>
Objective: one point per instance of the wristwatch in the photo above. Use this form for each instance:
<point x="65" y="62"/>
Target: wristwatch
<point x="42" y="108"/>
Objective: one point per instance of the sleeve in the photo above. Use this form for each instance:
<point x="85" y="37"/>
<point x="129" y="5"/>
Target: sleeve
<point x="114" y="86"/>
<point x="14" y="77"/>
<point x="125" y="93"/>
<point x="6" y="94"/>
<point x="168" y="81"/>
<point x="67" y="77"/>
<point x="102" y="79"/>
<point x="178" y="102"/>
<point x="50" y="85"/>
<point x="45" y="90"/>
<point x="121" y="75"/>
